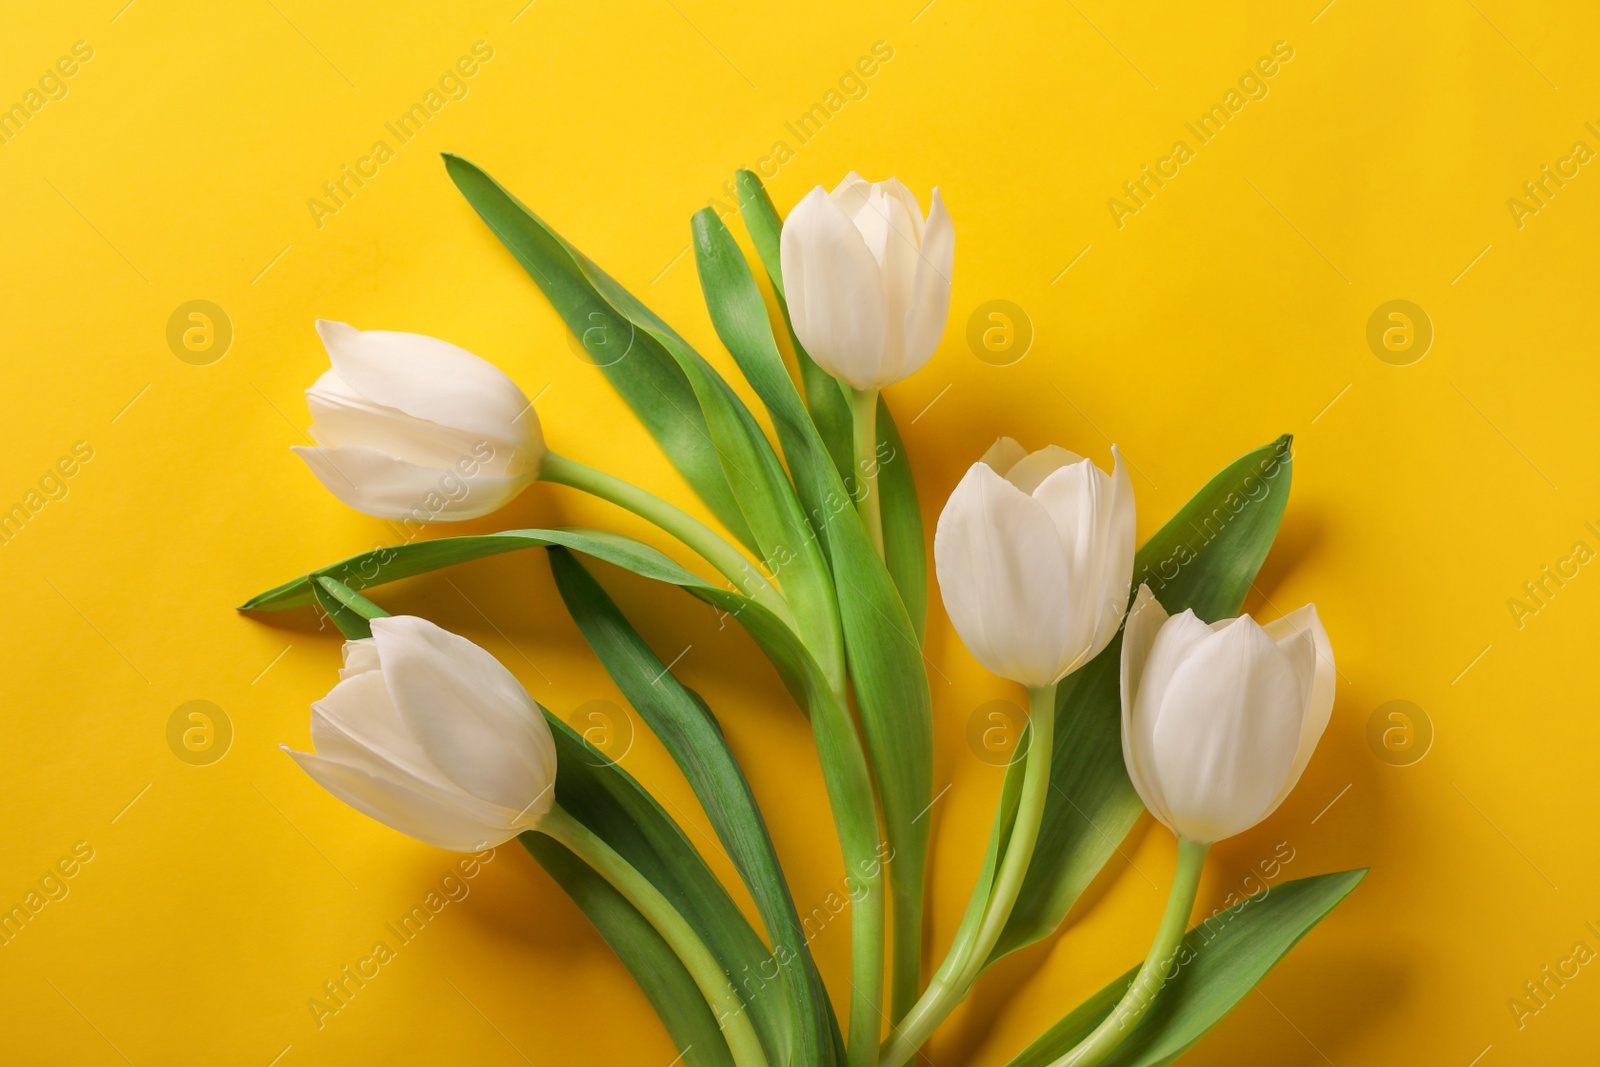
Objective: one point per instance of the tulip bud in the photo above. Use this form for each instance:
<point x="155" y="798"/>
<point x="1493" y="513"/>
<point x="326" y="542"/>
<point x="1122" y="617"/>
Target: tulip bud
<point x="867" y="279"/>
<point x="1034" y="554"/>
<point x="1219" y="720"/>
<point x="429" y="734"/>
<point x="412" y="427"/>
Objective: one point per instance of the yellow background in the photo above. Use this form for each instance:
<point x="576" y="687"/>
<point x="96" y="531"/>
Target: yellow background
<point x="1231" y="308"/>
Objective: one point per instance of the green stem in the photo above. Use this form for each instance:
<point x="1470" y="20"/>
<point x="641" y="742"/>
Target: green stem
<point x="971" y="950"/>
<point x="905" y="956"/>
<point x="674" y="929"/>
<point x="745" y="576"/>
<point x="864" y="405"/>
<point x="855" y="816"/>
<point x="1116" y="1027"/>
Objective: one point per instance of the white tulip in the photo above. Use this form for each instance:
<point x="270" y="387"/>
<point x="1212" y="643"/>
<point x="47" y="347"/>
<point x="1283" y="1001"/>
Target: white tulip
<point x="1034" y="554"/>
<point x="1219" y="720"/>
<point x="429" y="734"/>
<point x="412" y="427"/>
<point x="867" y="279"/>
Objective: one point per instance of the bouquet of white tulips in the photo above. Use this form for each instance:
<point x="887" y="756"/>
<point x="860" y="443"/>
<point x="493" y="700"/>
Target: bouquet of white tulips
<point x="1146" y="689"/>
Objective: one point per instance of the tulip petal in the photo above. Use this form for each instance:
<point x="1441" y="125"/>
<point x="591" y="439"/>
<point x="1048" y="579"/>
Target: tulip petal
<point x="360" y="656"/>
<point x="1145" y="620"/>
<point x="1004" y="454"/>
<point x="1179" y="637"/>
<point x="897" y="264"/>
<point x="930" y="289"/>
<point x="864" y="206"/>
<point x="343" y="418"/>
<point x="1001" y="572"/>
<point x="1030" y="470"/>
<point x="1318" y="679"/>
<point x="414" y="815"/>
<point x="851" y="193"/>
<point x="377" y="756"/>
<point x="895" y="189"/>
<point x="376" y="483"/>
<point x="471" y="715"/>
<point x="1227" y="733"/>
<point x="1169" y="647"/>
<point x="1119" y="543"/>
<point x="357" y="722"/>
<point x="426" y="377"/>
<point x="1079" y="499"/>
<point x="834" y="290"/>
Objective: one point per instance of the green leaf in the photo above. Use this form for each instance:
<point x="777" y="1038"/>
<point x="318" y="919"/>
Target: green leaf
<point x="1204" y="558"/>
<point x="351" y="624"/>
<point x="349" y="610"/>
<point x="829" y="404"/>
<point x="765" y="226"/>
<point x="634" y="361"/>
<point x="1221" y="960"/>
<point x="693" y="413"/>
<point x="1227" y="529"/>
<point x="691" y="734"/>
<point x="845" y="768"/>
<point x="904" y="548"/>
<point x="382" y="565"/>
<point x="788" y="544"/>
<point x="606" y="799"/>
<point x="885" y="655"/>
<point x="795" y="665"/>
<point x="665" y="981"/>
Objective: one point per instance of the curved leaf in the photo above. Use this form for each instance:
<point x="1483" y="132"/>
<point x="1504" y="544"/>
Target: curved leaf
<point x="890" y="682"/>
<point x="607" y="799"/>
<point x="691" y="734"/>
<point x="1221" y="960"/>
<point x="799" y="671"/>
<point x="692" y="412"/>
<point x="905" y="550"/>
<point x="665" y="981"/>
<point x="790" y="548"/>
<point x="348" y="610"/>
<point x="639" y="369"/>
<point x="382" y="565"/>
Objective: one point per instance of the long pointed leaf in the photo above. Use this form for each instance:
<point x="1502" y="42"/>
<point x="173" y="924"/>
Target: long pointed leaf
<point x="351" y="623"/>
<point x="1221" y="960"/>
<point x="890" y="682"/>
<point x="789" y="546"/>
<point x="904" y="548"/>
<point x="683" y="401"/>
<point x="691" y="734"/>
<point x="382" y="565"/>
<point x="799" y="671"/>
<point x="647" y="377"/>
<point x="606" y="799"/>
<point x="666" y="983"/>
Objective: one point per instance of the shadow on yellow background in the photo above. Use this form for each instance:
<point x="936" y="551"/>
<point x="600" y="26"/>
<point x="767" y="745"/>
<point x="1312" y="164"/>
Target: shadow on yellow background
<point x="1187" y="304"/>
